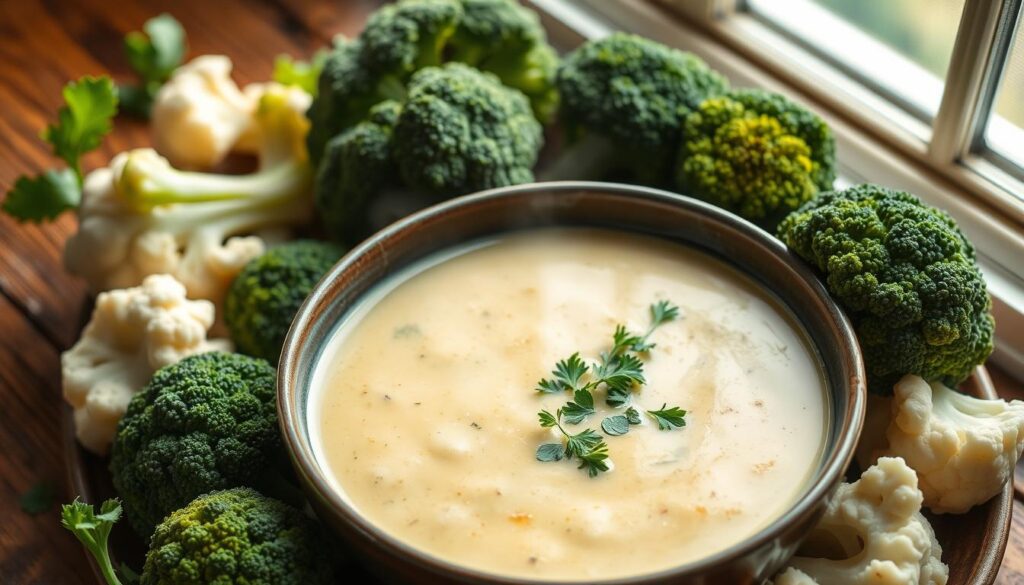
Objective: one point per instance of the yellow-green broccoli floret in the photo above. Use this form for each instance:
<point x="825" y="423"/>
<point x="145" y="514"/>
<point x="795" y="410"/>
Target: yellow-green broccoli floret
<point x="205" y="423"/>
<point x="237" y="536"/>
<point x="755" y="153"/>
<point x="263" y="299"/>
<point x="906" y="276"/>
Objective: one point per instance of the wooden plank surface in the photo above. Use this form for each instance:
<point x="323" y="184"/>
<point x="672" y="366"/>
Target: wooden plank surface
<point x="43" y="44"/>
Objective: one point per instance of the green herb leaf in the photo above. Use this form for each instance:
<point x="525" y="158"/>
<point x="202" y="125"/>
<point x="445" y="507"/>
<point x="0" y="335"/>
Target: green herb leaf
<point x="579" y="408"/>
<point x="663" y="312"/>
<point x="550" y="452"/>
<point x="622" y="341"/>
<point x="580" y="444"/>
<point x="632" y="416"/>
<point x="567" y="375"/>
<point x="43" y="197"/>
<point x="302" y="74"/>
<point x="615" y="425"/>
<point x="157" y="51"/>
<point x="547" y="419"/>
<point x="90" y="105"/>
<point x="38" y="498"/>
<point x="93" y="530"/>
<point x="595" y="461"/>
<point x="622" y="373"/>
<point x="669" y="418"/>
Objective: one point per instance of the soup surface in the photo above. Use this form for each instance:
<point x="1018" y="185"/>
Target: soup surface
<point x="424" y="407"/>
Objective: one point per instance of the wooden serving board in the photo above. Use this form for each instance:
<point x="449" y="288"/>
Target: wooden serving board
<point x="972" y="544"/>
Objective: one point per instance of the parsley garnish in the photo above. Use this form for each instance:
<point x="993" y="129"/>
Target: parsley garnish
<point x="587" y="446"/>
<point x="669" y="418"/>
<point x="619" y="370"/>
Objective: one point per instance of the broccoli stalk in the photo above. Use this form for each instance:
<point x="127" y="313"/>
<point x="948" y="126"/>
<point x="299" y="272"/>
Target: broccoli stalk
<point x="93" y="530"/>
<point x="148" y="180"/>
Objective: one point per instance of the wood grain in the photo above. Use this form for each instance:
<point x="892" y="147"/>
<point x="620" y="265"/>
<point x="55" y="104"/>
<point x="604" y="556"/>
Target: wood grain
<point x="44" y="44"/>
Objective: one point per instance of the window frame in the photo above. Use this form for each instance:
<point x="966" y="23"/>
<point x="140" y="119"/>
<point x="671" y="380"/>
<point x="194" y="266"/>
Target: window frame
<point x="875" y="138"/>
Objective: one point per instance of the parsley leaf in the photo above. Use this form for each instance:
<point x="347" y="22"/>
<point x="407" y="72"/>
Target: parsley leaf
<point x="302" y="74"/>
<point x="567" y="375"/>
<point x="547" y="419"/>
<point x="90" y="104"/>
<point x="663" y="312"/>
<point x="615" y="425"/>
<point x="44" y="196"/>
<point x="669" y="418"/>
<point x="580" y="444"/>
<point x="153" y="54"/>
<point x="621" y="373"/>
<point x="632" y="416"/>
<point x="549" y="452"/>
<point x="595" y="461"/>
<point x="579" y="408"/>
<point x="38" y="498"/>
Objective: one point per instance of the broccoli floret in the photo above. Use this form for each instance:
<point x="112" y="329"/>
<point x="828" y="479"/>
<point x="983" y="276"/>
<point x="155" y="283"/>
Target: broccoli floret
<point x="265" y="296"/>
<point x="402" y="38"/>
<point x="356" y="166"/>
<point x="905" y="275"/>
<point x="507" y="39"/>
<point x="237" y="536"/>
<point x="461" y="131"/>
<point x="755" y="153"/>
<point x="635" y="93"/>
<point x="207" y="422"/>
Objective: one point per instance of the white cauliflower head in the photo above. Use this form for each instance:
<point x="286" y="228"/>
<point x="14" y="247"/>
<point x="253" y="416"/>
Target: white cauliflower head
<point x="132" y="333"/>
<point x="200" y="114"/>
<point x="874" y="534"/>
<point x="964" y="449"/>
<point x="141" y="216"/>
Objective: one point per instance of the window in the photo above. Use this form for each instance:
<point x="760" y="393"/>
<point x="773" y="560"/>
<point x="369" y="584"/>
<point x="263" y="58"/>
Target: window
<point x="900" y="48"/>
<point x="927" y="97"/>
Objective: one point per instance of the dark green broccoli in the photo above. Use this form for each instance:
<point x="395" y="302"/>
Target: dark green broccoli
<point x="237" y="536"/>
<point x="357" y="165"/>
<point x="634" y="93"/>
<point x="264" y="297"/>
<point x="462" y="131"/>
<point x="905" y="275"/>
<point x="208" y="422"/>
<point x="755" y="153"/>
<point x="459" y="131"/>
<point x="399" y="39"/>
<point x="507" y="39"/>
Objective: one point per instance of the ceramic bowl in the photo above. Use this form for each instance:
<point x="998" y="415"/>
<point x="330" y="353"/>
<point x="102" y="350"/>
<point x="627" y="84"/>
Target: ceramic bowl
<point x="618" y="207"/>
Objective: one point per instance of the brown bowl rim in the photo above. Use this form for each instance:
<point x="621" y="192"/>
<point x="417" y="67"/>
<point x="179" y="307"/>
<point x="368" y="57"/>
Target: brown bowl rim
<point x="834" y="463"/>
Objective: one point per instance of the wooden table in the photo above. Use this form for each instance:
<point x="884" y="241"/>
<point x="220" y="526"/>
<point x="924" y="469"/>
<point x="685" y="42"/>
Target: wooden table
<point x="43" y="44"/>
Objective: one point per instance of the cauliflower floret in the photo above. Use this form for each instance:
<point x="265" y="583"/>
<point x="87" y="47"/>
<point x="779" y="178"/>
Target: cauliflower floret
<point x="132" y="333"/>
<point x="141" y="216"/>
<point x="200" y="114"/>
<point x="874" y="534"/>
<point x="964" y="449"/>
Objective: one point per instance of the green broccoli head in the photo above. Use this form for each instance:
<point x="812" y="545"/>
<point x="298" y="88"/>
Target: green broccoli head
<point x="355" y="167"/>
<point x="507" y="39"/>
<point x="237" y="536"/>
<point x="263" y="299"/>
<point x="402" y="38"/>
<point x="208" y="422"/>
<point x="461" y="130"/>
<point x="905" y="275"/>
<point x="635" y="92"/>
<point x="755" y="153"/>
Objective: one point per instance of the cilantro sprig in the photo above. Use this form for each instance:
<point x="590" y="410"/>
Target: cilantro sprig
<point x="153" y="53"/>
<point x="90" y="104"/>
<point x="588" y="446"/>
<point x="618" y="370"/>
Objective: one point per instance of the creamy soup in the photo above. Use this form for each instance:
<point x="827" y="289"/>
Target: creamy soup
<point x="424" y="409"/>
